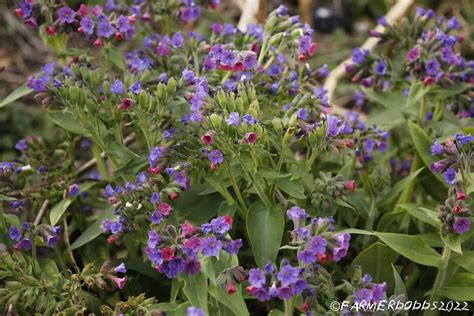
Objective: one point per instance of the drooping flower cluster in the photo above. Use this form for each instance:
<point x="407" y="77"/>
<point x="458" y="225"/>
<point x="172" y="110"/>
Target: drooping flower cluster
<point x="369" y="292"/>
<point x="457" y="155"/>
<point x="455" y="213"/>
<point x="27" y="235"/>
<point x="173" y="250"/>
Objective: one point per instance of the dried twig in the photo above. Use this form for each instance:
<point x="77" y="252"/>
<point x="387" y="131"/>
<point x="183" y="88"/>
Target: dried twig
<point x="399" y="10"/>
<point x="249" y="12"/>
<point x="41" y="212"/>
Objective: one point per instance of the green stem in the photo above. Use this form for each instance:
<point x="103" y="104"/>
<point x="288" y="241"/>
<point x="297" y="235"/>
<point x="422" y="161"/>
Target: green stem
<point x="236" y="189"/>
<point x="288" y="307"/>
<point x="440" y="277"/>
<point x="100" y="162"/>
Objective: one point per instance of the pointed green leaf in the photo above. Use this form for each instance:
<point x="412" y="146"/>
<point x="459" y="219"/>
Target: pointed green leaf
<point x="116" y="58"/>
<point x="196" y="289"/>
<point x="293" y="188"/>
<point x="399" y="284"/>
<point x="15" y="95"/>
<point x="453" y="242"/>
<point x="66" y="121"/>
<point x="424" y="214"/>
<point x="397" y="189"/>
<point x="265" y="228"/>
<point x="94" y="230"/>
<point x="235" y="302"/>
<point x="411" y="247"/>
<point x="58" y="210"/>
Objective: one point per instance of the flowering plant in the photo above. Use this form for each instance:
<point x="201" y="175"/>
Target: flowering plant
<point x="181" y="160"/>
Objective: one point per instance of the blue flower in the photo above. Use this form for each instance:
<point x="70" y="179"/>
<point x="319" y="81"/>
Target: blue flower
<point x="14" y="233"/>
<point x="194" y="311"/>
<point x="288" y="275"/>
<point x="216" y="156"/>
<point x="257" y="277"/>
<point x="436" y="148"/>
<point x="117" y="87"/>
<point x="450" y="176"/>
<point x="121" y="268"/>
<point x="74" y="189"/>
<point x="87" y="25"/>
<point x="66" y="15"/>
<point x="136" y="87"/>
<point x="381" y="68"/>
<point x="358" y="55"/>
<point x="211" y="246"/>
<point x="463" y="140"/>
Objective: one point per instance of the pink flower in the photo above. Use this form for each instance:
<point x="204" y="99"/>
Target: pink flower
<point x="207" y="138"/>
<point x="350" y="185"/>
<point x="119" y="281"/>
<point x="164" y="209"/>
<point x="251" y="137"/>
<point x="187" y="228"/>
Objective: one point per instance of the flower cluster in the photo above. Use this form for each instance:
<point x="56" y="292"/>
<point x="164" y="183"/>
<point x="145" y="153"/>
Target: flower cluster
<point x="455" y="213"/>
<point x="456" y="153"/>
<point x="328" y="188"/>
<point x="369" y="292"/>
<point x="26" y="235"/>
<point x="173" y="250"/>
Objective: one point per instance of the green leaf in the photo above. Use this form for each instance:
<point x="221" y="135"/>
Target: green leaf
<point x="453" y="242"/>
<point x="276" y="312"/>
<point x="424" y="214"/>
<point x="195" y="288"/>
<point x="121" y="152"/>
<point x="116" y="58"/>
<point x="198" y="209"/>
<point x="377" y="260"/>
<point x="397" y="189"/>
<point x="235" y="302"/>
<point x="411" y="247"/>
<point x="67" y="121"/>
<point x="423" y="144"/>
<point x="94" y="230"/>
<point x="399" y="284"/>
<point x="466" y="260"/>
<point x="270" y="173"/>
<point x="58" y="210"/>
<point x="6" y="198"/>
<point x="15" y="95"/>
<point x="439" y="93"/>
<point x="417" y="91"/>
<point x="459" y="288"/>
<point x="265" y="228"/>
<point x="390" y="100"/>
<point x="293" y="188"/>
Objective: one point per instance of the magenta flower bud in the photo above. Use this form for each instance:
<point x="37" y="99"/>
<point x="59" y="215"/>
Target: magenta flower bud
<point x="126" y="104"/>
<point x="349" y="67"/>
<point x="350" y="185"/>
<point x="207" y="138"/>
<point x="251" y="137"/>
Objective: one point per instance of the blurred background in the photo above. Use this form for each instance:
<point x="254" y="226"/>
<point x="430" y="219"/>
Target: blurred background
<point x="340" y="25"/>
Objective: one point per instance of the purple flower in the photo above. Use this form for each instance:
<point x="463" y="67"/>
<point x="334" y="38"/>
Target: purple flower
<point x="174" y="267"/>
<point x="261" y="294"/>
<point x="461" y="225"/>
<point x="192" y="267"/>
<point x="74" y="189"/>
<point x="116" y="227"/>
<point x="14" y="233"/>
<point x="211" y="246"/>
<point x="453" y="24"/>
<point x="269" y="267"/>
<point x="296" y="213"/>
<point x="284" y="293"/>
<point x="381" y="68"/>
<point x="122" y="23"/>
<point x="155" y="198"/>
<point x="177" y="40"/>
<point x="26" y="8"/>
<point x="307" y="256"/>
<point x="437" y="166"/>
<point x="52" y="240"/>
<point x="249" y="59"/>
<point x="233" y="246"/>
<point x="156" y="218"/>
<point x="248" y="119"/>
<point x="117" y="87"/>
<point x="282" y="10"/>
<point x="367" y="278"/>
<point x="233" y="119"/>
<point x="318" y="244"/>
<point x="136" y="87"/>
<point x="358" y="55"/>
<point x="220" y="225"/>
<point x="194" y="311"/>
<point x="378" y="292"/>
<point x="432" y="67"/>
<point x="216" y="156"/>
<point x="104" y="28"/>
<point x="25" y="244"/>
<point x="323" y="71"/>
<point x="182" y="179"/>
<point x="216" y="28"/>
<point x="287" y="275"/>
<point x="303" y="114"/>
<point x="21" y="145"/>
<point x="87" y="25"/>
<point x="450" y="176"/>
<point x="121" y="268"/>
<point x="190" y="14"/>
<point x="153" y="239"/>
<point x="382" y="21"/>
<point x="37" y="84"/>
<point x="436" y="148"/>
<point x="66" y="15"/>
<point x="141" y="178"/>
<point x="463" y="140"/>
<point x="413" y="54"/>
<point x="363" y="295"/>
<point x="340" y="250"/>
<point x="155" y="155"/>
<point x="257" y="277"/>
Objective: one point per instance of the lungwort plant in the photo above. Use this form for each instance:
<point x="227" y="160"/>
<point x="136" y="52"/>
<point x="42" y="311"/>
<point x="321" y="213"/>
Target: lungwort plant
<point x="204" y="173"/>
